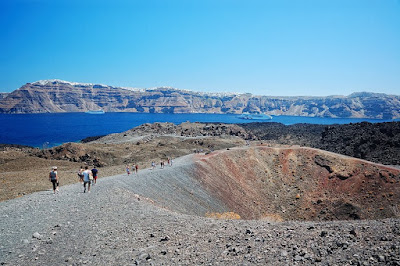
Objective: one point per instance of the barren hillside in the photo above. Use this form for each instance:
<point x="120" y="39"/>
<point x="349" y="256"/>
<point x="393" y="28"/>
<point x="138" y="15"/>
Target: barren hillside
<point x="294" y="183"/>
<point x="157" y="216"/>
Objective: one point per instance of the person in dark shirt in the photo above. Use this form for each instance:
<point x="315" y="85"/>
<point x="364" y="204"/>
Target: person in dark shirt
<point x="53" y="177"/>
<point x="94" y="173"/>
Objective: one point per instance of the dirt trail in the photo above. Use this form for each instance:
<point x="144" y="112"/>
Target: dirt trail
<point x="173" y="187"/>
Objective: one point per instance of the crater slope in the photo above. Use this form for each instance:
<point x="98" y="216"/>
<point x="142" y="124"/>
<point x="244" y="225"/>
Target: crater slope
<point x="298" y="183"/>
<point x="274" y="184"/>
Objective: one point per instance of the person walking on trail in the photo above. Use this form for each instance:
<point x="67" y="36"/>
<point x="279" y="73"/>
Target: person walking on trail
<point x="86" y="179"/>
<point x="94" y="174"/>
<point x="136" y="168"/>
<point x="53" y="177"/>
<point x="153" y="165"/>
<point x="80" y="174"/>
<point x="127" y="170"/>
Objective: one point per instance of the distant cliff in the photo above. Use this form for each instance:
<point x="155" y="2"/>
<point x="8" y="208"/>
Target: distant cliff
<point x="51" y="96"/>
<point x="3" y="95"/>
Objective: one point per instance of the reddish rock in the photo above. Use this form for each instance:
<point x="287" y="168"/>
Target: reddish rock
<point x="299" y="184"/>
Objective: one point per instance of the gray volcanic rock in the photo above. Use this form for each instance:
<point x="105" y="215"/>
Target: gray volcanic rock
<point x="188" y="129"/>
<point x="63" y="96"/>
<point x="376" y="142"/>
<point x="116" y="225"/>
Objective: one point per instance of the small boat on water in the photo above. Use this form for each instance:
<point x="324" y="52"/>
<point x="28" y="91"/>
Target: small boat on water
<point x="95" y="112"/>
<point x="255" y="116"/>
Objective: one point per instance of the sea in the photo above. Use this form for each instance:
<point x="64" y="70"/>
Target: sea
<point x="49" y="130"/>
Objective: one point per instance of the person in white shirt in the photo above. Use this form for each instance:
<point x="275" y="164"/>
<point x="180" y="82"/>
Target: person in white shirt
<point x="86" y="179"/>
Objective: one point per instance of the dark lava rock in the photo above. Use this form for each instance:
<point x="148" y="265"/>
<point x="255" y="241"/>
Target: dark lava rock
<point x="375" y="142"/>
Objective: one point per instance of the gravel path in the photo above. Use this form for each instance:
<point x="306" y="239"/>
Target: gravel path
<point x="116" y="224"/>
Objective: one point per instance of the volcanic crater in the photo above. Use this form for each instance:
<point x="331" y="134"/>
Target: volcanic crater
<point x="297" y="183"/>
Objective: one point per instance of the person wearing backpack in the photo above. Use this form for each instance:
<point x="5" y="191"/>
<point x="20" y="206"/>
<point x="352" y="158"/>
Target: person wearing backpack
<point x="53" y="177"/>
<point x="80" y="174"/>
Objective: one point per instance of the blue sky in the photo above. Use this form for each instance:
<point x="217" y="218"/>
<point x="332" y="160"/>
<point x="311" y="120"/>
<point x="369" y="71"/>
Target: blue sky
<point x="270" y="47"/>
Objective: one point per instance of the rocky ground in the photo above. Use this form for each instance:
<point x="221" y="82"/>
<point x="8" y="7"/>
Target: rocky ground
<point x="376" y="142"/>
<point x="115" y="224"/>
<point x="299" y="183"/>
<point x="24" y="170"/>
<point x="158" y="217"/>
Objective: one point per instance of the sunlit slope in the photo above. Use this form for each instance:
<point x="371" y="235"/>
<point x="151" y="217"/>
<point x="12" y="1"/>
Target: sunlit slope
<point x="299" y="184"/>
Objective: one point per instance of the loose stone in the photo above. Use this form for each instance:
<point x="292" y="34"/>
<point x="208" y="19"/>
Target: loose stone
<point x="37" y="235"/>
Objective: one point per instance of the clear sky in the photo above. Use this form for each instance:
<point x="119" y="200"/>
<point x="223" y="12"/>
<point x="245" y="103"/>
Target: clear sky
<point x="266" y="47"/>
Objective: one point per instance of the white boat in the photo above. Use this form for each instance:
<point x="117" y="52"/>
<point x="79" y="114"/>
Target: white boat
<point x="95" y="112"/>
<point x="255" y="116"/>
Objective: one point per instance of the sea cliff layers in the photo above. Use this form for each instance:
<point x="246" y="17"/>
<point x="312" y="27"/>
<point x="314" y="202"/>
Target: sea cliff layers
<point x="51" y="96"/>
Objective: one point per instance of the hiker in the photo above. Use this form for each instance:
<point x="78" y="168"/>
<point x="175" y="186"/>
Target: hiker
<point x="127" y="170"/>
<point x="162" y="164"/>
<point x="133" y="168"/>
<point x="53" y="178"/>
<point x="136" y="168"/>
<point x="87" y="175"/>
<point x="80" y="174"/>
<point x="94" y="174"/>
<point x="153" y="165"/>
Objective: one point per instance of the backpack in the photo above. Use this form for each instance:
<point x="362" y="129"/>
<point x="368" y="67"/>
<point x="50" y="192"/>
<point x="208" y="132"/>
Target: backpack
<point x="53" y="176"/>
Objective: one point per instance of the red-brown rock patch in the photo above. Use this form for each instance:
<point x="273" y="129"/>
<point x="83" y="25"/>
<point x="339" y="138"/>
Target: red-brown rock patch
<point x="297" y="183"/>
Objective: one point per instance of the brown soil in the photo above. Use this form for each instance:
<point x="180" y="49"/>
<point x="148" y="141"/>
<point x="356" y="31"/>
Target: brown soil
<point x="26" y="170"/>
<point x="22" y="173"/>
<point x="153" y="217"/>
<point x="257" y="182"/>
<point x="297" y="183"/>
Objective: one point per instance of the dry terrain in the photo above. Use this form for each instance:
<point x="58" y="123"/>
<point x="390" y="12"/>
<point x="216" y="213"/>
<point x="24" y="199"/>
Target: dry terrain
<point x="299" y="183"/>
<point x="25" y="170"/>
<point x="223" y="201"/>
<point x="157" y="217"/>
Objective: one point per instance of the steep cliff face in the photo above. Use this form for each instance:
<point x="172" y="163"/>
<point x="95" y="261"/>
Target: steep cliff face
<point x="62" y="96"/>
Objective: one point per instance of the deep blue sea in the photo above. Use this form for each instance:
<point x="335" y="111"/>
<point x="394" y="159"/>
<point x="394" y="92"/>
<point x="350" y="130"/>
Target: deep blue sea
<point x="48" y="130"/>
